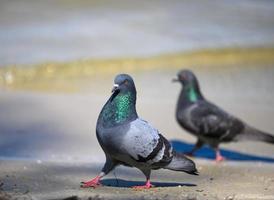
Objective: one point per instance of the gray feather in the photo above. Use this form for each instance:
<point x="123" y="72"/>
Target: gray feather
<point x="253" y="134"/>
<point x="140" y="139"/>
<point x="182" y="163"/>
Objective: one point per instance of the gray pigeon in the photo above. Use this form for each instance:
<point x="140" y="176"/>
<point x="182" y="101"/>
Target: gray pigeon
<point x="128" y="140"/>
<point x="209" y="123"/>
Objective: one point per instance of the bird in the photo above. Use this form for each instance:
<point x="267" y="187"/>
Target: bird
<point x="209" y="123"/>
<point x="131" y="141"/>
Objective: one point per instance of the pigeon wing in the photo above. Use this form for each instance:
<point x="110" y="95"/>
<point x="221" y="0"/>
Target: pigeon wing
<point x="212" y="121"/>
<point x="145" y="144"/>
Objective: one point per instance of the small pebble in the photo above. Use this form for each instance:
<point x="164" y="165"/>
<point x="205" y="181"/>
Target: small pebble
<point x="231" y="197"/>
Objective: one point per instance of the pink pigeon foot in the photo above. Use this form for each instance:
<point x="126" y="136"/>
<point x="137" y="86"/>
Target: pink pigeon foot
<point x="148" y="185"/>
<point x="92" y="183"/>
<point x="219" y="158"/>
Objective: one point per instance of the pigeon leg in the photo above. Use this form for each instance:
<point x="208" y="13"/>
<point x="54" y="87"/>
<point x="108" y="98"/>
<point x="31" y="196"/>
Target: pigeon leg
<point x="148" y="184"/>
<point x="197" y="146"/>
<point x="109" y="165"/>
<point x="219" y="157"/>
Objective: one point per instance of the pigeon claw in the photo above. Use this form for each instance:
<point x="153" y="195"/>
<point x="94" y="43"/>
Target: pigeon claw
<point x="148" y="185"/>
<point x="92" y="183"/>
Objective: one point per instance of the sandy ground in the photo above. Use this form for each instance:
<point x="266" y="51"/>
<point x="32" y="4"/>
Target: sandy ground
<point x="32" y="180"/>
<point x="48" y="142"/>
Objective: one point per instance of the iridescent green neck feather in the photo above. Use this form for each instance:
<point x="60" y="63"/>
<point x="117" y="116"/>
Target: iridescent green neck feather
<point x="120" y="109"/>
<point x="192" y="93"/>
<point x="122" y="103"/>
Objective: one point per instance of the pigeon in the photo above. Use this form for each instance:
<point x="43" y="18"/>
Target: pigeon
<point x="209" y="123"/>
<point x="131" y="141"/>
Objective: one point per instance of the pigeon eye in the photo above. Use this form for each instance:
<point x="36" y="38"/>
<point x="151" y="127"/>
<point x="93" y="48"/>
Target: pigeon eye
<point x="126" y="82"/>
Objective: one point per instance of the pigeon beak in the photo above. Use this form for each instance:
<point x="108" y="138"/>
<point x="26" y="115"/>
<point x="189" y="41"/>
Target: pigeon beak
<point x="175" y="80"/>
<point x="115" y="87"/>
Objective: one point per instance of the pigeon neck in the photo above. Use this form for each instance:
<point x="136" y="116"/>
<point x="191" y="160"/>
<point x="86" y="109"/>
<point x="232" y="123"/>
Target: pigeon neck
<point x="119" y="108"/>
<point x="192" y="93"/>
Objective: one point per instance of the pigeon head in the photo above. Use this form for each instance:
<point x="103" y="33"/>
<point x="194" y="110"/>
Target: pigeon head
<point x="120" y="108"/>
<point x="123" y="83"/>
<point x="191" y="89"/>
<point x="186" y="77"/>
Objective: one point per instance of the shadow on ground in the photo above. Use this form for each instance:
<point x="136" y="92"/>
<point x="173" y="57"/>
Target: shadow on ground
<point x="208" y="153"/>
<point x="126" y="183"/>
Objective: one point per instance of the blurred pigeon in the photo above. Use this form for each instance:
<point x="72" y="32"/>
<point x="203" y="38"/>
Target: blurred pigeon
<point x="128" y="140"/>
<point x="209" y="123"/>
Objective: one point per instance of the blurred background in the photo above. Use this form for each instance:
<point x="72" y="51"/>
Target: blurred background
<point x="58" y="60"/>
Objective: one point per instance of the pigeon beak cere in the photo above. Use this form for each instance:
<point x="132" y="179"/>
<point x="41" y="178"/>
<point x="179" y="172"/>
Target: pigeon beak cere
<point x="115" y="87"/>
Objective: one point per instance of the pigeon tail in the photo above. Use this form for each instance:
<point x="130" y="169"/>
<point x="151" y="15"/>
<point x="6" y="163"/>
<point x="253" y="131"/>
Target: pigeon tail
<point x="253" y="134"/>
<point x="181" y="163"/>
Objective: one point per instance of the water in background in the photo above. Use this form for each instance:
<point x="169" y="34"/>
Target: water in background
<point x="37" y="31"/>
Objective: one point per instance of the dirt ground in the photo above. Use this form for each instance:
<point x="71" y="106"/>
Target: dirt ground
<point x="230" y="180"/>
